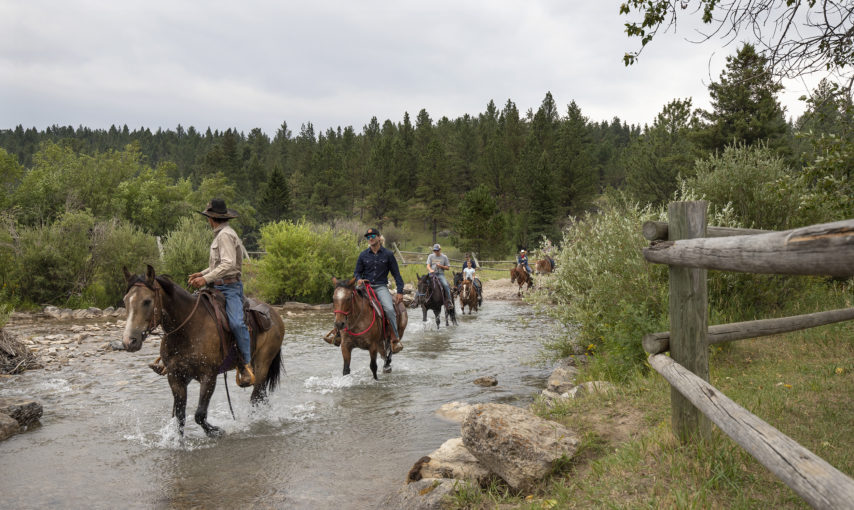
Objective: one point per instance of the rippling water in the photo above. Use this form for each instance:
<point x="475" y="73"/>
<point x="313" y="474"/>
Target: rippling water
<point x="324" y="441"/>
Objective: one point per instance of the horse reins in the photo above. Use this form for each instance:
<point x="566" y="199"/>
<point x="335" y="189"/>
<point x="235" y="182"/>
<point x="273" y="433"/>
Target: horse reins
<point x="353" y="302"/>
<point x="157" y="317"/>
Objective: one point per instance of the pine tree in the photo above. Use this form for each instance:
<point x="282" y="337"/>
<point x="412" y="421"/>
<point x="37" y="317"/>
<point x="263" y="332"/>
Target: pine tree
<point x="575" y="171"/>
<point x="744" y="105"/>
<point x="479" y="225"/>
<point x="664" y="152"/>
<point x="276" y="199"/>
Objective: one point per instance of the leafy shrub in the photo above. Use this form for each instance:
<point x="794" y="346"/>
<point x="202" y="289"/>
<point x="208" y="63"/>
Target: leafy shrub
<point x="115" y="244"/>
<point x="55" y="261"/>
<point x="186" y="249"/>
<point x="604" y="290"/>
<point x="750" y="182"/>
<point x="301" y="260"/>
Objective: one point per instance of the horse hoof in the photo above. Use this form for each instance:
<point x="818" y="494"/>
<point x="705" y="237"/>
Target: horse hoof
<point x="212" y="431"/>
<point x="386" y="370"/>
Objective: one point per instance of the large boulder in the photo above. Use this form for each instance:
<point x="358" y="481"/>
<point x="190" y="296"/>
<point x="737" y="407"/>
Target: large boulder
<point x="426" y="494"/>
<point x="24" y="412"/>
<point x="515" y="444"/>
<point x="451" y="460"/>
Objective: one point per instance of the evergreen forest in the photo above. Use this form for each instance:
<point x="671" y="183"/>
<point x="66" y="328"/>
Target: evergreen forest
<point x="493" y="182"/>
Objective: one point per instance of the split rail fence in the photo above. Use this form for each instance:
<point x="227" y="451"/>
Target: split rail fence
<point x="690" y="248"/>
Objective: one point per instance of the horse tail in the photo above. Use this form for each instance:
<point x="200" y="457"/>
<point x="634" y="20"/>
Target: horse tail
<point x="274" y="373"/>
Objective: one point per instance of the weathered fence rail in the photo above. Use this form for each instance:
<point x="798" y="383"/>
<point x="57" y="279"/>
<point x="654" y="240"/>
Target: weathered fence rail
<point x="691" y="249"/>
<point x="819" y="483"/>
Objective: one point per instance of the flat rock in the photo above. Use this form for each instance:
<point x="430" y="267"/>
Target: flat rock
<point x="52" y="311"/>
<point x="454" y="411"/>
<point x="23" y="411"/>
<point x="486" y="381"/>
<point x="451" y="460"/>
<point x="515" y="444"/>
<point x="426" y="494"/>
<point x="562" y="379"/>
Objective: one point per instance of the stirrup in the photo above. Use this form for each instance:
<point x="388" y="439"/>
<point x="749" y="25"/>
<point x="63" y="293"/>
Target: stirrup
<point x="158" y="367"/>
<point x="240" y="381"/>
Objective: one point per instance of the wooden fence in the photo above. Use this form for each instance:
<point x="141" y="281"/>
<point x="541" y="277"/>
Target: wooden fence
<point x="408" y="258"/>
<point x="690" y="248"/>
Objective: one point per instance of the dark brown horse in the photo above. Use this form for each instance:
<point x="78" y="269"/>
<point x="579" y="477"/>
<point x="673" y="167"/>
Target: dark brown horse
<point x="521" y="277"/>
<point x="360" y="324"/>
<point x="191" y="347"/>
<point x="543" y="266"/>
<point x="468" y="296"/>
<point x="430" y="295"/>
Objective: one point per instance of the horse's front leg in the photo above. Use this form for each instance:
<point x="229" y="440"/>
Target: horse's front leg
<point x="387" y="364"/>
<point x="373" y="351"/>
<point x="207" y="384"/>
<point x="179" y="399"/>
<point x="424" y="312"/>
<point x="346" y="349"/>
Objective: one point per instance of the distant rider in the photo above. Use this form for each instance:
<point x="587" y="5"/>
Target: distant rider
<point x="522" y="258"/>
<point x="437" y="264"/>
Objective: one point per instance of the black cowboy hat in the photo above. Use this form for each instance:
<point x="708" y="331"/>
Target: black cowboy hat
<point x="216" y="209"/>
<point x="372" y="231"/>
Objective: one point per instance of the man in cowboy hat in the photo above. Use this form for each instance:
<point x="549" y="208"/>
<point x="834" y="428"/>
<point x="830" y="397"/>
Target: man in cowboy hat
<point x="522" y="258"/>
<point x="373" y="266"/>
<point x="223" y="273"/>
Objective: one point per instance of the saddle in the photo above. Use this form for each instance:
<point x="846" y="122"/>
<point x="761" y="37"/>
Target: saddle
<point x="399" y="312"/>
<point x="256" y="316"/>
<point x="437" y="285"/>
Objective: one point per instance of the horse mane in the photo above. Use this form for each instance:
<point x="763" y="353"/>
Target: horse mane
<point x="170" y="287"/>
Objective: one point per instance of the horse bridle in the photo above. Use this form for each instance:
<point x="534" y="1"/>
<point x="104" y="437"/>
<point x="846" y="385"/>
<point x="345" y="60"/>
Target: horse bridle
<point x="427" y="294"/>
<point x="157" y="315"/>
<point x="353" y="307"/>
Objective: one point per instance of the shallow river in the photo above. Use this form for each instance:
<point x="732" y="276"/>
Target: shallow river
<point x="325" y="440"/>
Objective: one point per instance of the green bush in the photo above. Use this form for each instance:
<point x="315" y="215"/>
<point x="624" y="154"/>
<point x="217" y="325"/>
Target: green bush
<point x="55" y="261"/>
<point x="603" y="289"/>
<point x="753" y="182"/>
<point x="301" y="260"/>
<point x="186" y="250"/>
<point x="117" y="244"/>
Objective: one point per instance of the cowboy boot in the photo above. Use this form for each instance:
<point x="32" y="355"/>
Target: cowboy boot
<point x="245" y="376"/>
<point x="158" y="367"/>
<point x="396" y="346"/>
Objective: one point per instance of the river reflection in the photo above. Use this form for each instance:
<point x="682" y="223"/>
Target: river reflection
<point x="324" y="441"/>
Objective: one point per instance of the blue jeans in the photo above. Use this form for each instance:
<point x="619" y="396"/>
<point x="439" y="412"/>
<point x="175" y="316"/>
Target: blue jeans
<point x="442" y="279"/>
<point x="388" y="305"/>
<point x="233" y="293"/>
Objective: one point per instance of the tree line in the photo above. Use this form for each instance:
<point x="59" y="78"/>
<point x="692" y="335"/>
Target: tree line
<point x="496" y="181"/>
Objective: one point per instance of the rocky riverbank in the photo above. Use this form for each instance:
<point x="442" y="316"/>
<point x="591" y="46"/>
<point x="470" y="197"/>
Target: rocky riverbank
<point x="499" y="443"/>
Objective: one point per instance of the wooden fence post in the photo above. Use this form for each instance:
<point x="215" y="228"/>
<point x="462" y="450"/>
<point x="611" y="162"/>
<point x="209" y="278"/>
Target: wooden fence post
<point x="689" y="319"/>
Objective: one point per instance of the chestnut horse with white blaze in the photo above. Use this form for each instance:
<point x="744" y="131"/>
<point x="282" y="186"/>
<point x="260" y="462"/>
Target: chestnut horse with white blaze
<point x="191" y="347"/>
<point x="468" y="296"/>
<point x="360" y="324"/>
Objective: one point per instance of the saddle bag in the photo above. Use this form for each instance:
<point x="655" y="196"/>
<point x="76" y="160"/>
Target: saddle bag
<point x="260" y="312"/>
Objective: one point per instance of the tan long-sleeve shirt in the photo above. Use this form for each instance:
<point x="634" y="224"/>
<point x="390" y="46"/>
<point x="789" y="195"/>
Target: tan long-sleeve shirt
<point x="226" y="257"/>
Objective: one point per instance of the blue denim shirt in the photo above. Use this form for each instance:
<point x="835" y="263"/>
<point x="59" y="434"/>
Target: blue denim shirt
<point x="375" y="267"/>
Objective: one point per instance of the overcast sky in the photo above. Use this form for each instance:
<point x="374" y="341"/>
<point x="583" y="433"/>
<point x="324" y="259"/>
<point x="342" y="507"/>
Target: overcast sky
<point x="253" y="63"/>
